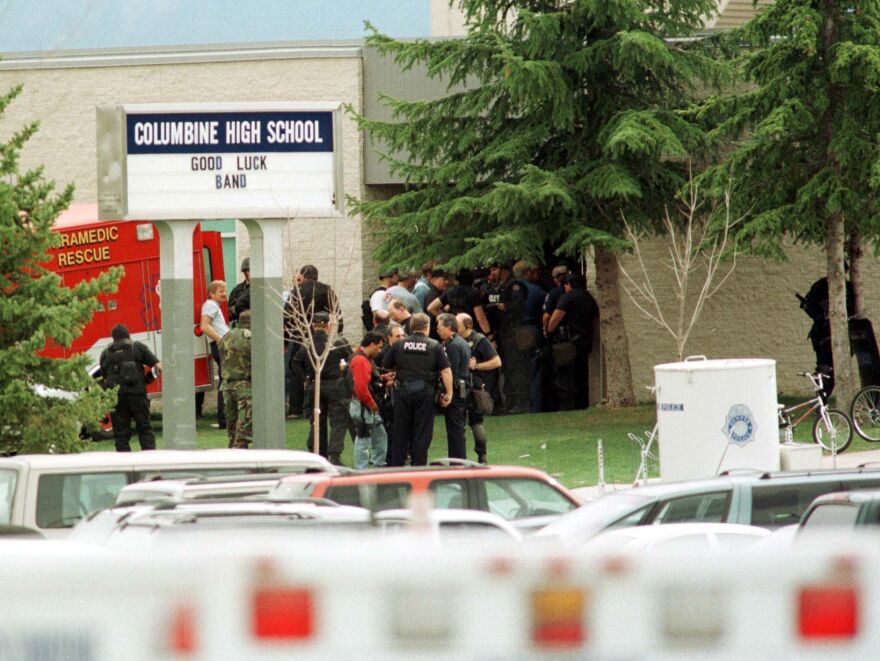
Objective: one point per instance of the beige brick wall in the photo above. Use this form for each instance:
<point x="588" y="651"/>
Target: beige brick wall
<point x="64" y="102"/>
<point x="755" y="315"/>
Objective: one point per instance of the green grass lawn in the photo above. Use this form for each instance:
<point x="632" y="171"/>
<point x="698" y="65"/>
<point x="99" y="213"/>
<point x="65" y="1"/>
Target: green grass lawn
<point x="563" y="444"/>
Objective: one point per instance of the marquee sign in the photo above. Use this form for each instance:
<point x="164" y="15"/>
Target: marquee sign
<point x="196" y="161"/>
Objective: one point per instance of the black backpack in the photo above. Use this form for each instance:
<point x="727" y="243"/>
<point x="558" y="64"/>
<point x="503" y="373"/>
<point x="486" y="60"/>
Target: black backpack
<point x="123" y="370"/>
<point x="367" y="312"/>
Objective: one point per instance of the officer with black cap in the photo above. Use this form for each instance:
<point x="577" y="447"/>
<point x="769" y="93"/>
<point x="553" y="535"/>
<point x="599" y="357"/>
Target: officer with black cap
<point x="240" y="296"/>
<point x="417" y="361"/>
<point x="333" y="398"/>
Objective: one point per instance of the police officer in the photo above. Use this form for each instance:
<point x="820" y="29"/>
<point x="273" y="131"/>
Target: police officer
<point x="417" y="361"/>
<point x="459" y="355"/>
<point x="235" y="362"/>
<point x="439" y="283"/>
<point x="484" y="366"/>
<point x="122" y="364"/>
<point x="571" y="327"/>
<point x="463" y="297"/>
<point x="240" y="296"/>
<point x="512" y="341"/>
<point x="333" y="399"/>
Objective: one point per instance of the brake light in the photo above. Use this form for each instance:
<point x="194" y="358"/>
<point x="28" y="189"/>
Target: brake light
<point x="558" y="617"/>
<point x="828" y="612"/>
<point x="182" y="632"/>
<point x="283" y="614"/>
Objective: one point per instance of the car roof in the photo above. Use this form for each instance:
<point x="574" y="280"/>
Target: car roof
<point x="392" y="474"/>
<point x="859" y="496"/>
<point x="677" y="529"/>
<point x="153" y="458"/>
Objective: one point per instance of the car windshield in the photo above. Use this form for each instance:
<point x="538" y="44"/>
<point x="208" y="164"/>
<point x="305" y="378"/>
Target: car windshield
<point x="588" y="519"/>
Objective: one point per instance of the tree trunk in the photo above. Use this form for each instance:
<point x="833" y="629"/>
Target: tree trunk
<point x="844" y="379"/>
<point x="316" y="413"/>
<point x="615" y="346"/>
<point x="835" y="232"/>
<point x="856" y="250"/>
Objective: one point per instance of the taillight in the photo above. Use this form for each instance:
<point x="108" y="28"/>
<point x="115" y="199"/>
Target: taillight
<point x="558" y="617"/>
<point x="182" y="632"/>
<point x="283" y="614"/>
<point x="828" y="612"/>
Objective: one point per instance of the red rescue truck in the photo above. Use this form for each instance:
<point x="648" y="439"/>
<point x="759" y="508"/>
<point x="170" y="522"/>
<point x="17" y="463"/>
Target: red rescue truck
<point x="89" y="247"/>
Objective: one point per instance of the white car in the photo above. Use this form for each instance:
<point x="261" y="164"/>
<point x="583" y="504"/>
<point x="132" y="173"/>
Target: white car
<point x="698" y="538"/>
<point x="449" y="522"/>
<point x="141" y="526"/>
<point x="51" y="492"/>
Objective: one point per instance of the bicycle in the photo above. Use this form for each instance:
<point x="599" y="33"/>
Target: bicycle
<point x="832" y="428"/>
<point x="865" y="413"/>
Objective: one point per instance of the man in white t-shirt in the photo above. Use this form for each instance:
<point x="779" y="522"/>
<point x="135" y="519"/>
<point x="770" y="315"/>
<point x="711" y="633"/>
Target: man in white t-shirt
<point x="214" y="326"/>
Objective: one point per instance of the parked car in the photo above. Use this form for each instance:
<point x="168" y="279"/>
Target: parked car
<point x="52" y="492"/>
<point x="526" y="497"/>
<point x="143" y="524"/>
<point x="843" y="510"/>
<point x="677" y="538"/>
<point x="450" y="523"/>
<point x="769" y="500"/>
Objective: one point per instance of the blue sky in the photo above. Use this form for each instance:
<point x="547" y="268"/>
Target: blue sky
<point x="39" y="25"/>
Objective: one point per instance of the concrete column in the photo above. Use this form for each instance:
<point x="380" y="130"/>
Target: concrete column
<point x="177" y="351"/>
<point x="267" y="322"/>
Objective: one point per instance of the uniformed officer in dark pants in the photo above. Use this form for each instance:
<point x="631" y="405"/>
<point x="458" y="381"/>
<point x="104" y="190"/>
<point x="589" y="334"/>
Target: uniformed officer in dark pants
<point x="459" y="355"/>
<point x="515" y="342"/>
<point x="418" y="361"/>
<point x="485" y="365"/>
<point x="333" y="398"/>
<point x="571" y="332"/>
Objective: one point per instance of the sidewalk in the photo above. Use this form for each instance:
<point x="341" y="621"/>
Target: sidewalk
<point x="844" y="460"/>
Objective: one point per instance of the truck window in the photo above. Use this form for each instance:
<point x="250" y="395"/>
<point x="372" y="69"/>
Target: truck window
<point x="8" y="479"/>
<point x="832" y="515"/>
<point x="776" y="505"/>
<point x="705" y="507"/>
<point x="449" y="494"/>
<point x="63" y="499"/>
<point x="519" y="498"/>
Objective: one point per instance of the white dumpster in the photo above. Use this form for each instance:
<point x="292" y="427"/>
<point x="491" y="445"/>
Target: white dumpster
<point x="716" y="415"/>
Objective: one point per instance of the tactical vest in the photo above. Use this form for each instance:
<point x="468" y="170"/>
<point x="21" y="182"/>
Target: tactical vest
<point x="123" y="370"/>
<point x="417" y="359"/>
<point x="457" y="300"/>
<point x="235" y="355"/>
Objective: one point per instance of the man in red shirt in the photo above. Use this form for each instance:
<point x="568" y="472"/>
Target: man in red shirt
<point x="371" y="442"/>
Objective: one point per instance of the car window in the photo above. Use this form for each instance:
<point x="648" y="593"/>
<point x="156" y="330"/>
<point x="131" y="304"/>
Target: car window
<point x="682" y="544"/>
<point x="7" y="491"/>
<point x="776" y="505"/>
<point x="634" y="519"/>
<point x="63" y="499"/>
<point x="839" y="515"/>
<point x="392" y="496"/>
<point x="520" y="497"/>
<point x="344" y="495"/>
<point x="707" y="507"/>
<point x="449" y="494"/>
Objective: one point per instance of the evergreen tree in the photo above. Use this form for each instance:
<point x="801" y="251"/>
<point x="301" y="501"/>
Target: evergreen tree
<point x="560" y="117"/>
<point x="800" y="141"/>
<point x="44" y="400"/>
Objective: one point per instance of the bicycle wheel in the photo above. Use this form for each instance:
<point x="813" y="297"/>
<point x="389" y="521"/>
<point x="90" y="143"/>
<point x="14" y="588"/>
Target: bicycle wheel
<point x="837" y="433"/>
<point x="865" y="413"/>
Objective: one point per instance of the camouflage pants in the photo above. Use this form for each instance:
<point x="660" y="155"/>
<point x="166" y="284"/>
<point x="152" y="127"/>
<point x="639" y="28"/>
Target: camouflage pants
<point x="239" y="413"/>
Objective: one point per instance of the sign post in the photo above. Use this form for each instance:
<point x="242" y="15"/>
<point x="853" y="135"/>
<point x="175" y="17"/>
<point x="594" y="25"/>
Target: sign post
<point x="262" y="163"/>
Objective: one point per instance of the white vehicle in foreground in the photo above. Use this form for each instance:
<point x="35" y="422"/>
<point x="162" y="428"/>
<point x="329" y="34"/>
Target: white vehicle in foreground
<point x="142" y="525"/>
<point x="677" y="538"/>
<point x="443" y="523"/>
<point x="51" y="492"/>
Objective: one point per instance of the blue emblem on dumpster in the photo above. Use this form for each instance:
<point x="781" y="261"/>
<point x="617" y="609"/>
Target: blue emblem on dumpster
<point x="740" y="425"/>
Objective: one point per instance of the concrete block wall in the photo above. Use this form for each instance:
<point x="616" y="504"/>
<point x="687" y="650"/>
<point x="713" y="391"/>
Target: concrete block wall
<point x="754" y="315"/>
